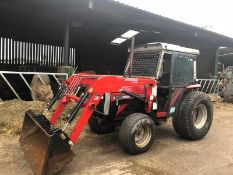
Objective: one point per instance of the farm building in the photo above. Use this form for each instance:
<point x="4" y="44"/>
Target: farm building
<point x="88" y="26"/>
<point x="41" y="36"/>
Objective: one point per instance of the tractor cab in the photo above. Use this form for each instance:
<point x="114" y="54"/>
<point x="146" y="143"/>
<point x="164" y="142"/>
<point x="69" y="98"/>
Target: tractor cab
<point x="173" y="66"/>
<point x="170" y="64"/>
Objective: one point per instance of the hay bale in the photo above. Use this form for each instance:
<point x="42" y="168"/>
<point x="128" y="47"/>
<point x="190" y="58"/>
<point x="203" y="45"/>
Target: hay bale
<point x="43" y="92"/>
<point x="12" y="114"/>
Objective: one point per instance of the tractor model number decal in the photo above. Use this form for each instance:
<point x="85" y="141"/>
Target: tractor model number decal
<point x="134" y="80"/>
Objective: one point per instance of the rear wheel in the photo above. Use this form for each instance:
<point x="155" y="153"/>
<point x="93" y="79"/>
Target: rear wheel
<point x="195" y="115"/>
<point x="100" y="125"/>
<point x="136" y="133"/>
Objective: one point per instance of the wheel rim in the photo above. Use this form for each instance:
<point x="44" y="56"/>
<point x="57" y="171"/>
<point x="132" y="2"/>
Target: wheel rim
<point x="143" y="136"/>
<point x="200" y="116"/>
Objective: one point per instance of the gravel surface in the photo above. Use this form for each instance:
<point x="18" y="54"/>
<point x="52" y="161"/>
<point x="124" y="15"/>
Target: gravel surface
<point x="169" y="155"/>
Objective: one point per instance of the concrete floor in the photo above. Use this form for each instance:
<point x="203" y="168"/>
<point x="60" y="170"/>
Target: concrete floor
<point x="170" y="155"/>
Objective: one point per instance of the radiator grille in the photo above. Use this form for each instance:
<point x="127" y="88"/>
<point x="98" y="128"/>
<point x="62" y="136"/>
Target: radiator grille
<point x="145" y="63"/>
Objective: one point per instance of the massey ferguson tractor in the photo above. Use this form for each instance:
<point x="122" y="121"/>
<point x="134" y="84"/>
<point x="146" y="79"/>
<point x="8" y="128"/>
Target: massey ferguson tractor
<point x="159" y="82"/>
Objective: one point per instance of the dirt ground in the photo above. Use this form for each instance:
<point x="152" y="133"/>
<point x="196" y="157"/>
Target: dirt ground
<point x="170" y="155"/>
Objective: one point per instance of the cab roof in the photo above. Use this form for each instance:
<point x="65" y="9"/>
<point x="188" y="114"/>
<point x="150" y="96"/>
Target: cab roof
<point x="165" y="47"/>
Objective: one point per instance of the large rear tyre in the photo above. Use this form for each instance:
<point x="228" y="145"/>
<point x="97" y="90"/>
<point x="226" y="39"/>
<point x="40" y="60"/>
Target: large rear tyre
<point x="100" y="126"/>
<point x="194" y="116"/>
<point x="137" y="133"/>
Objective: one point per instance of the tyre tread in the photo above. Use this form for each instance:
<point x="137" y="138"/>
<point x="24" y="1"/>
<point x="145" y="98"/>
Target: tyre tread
<point x="126" y="129"/>
<point x="181" y="122"/>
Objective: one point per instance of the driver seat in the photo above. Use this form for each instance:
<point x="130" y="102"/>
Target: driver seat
<point x="164" y="80"/>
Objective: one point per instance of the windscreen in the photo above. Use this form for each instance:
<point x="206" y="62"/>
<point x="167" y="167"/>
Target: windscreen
<point x="144" y="63"/>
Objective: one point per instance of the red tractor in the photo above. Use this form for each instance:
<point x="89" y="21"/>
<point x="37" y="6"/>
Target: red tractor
<point x="159" y="82"/>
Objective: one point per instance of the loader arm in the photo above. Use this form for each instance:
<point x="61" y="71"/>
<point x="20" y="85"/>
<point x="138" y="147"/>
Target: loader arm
<point x="97" y="86"/>
<point x="46" y="147"/>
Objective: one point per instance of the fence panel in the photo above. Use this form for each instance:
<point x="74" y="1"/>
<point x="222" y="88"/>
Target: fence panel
<point x="209" y="86"/>
<point x="19" y="52"/>
<point x="56" y="76"/>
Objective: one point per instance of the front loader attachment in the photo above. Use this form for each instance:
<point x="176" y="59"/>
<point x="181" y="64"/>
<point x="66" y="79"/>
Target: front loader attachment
<point x="46" y="149"/>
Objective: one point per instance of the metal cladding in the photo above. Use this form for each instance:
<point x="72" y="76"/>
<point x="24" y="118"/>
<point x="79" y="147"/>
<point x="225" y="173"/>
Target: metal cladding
<point x="14" y="52"/>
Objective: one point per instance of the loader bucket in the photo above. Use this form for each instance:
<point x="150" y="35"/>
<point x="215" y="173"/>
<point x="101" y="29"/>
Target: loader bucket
<point x="44" y="149"/>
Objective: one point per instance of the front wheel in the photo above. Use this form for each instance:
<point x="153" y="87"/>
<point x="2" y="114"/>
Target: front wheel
<point x="100" y="126"/>
<point x="136" y="133"/>
<point x="195" y="115"/>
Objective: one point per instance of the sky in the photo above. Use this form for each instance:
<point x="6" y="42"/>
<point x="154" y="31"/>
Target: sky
<point x="212" y="15"/>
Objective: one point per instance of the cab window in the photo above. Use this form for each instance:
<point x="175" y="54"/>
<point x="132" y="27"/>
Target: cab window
<point x="182" y="72"/>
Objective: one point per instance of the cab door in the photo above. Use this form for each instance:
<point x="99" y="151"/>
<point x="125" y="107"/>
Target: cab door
<point x="182" y="75"/>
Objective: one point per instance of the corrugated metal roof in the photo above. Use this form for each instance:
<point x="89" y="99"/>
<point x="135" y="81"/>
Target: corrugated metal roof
<point x="167" y="18"/>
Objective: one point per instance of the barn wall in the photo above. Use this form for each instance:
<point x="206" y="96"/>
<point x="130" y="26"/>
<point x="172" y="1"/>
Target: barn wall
<point x="206" y="63"/>
<point x="102" y="60"/>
